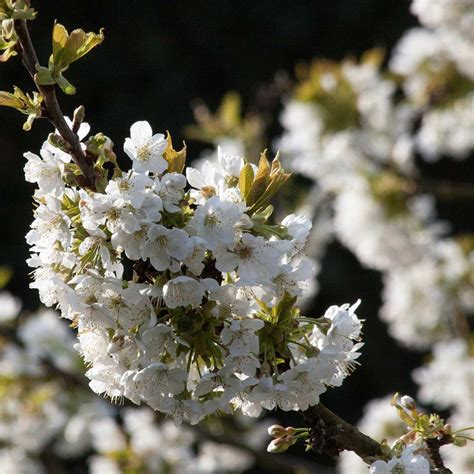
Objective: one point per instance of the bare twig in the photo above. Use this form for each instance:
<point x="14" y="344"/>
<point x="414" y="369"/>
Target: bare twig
<point x="53" y="109"/>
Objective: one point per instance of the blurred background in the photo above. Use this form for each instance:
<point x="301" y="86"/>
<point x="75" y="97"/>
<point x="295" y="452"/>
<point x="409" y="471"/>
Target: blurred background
<point x="158" y="58"/>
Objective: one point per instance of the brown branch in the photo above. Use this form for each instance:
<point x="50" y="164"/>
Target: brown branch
<point x="55" y="114"/>
<point x="432" y="447"/>
<point x="460" y="325"/>
<point x="447" y="190"/>
<point x="330" y="434"/>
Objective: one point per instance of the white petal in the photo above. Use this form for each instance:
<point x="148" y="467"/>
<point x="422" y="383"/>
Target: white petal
<point x="141" y="132"/>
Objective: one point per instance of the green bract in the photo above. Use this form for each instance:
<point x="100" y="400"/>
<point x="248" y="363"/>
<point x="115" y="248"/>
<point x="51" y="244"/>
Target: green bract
<point x="67" y="48"/>
<point x="258" y="188"/>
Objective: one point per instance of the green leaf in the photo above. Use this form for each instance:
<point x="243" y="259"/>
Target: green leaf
<point x="260" y="181"/>
<point x="68" y="48"/>
<point x="9" y="100"/>
<point x="275" y="179"/>
<point x="28" y="105"/>
<point x="91" y="41"/>
<point x="60" y="36"/>
<point x="246" y="180"/>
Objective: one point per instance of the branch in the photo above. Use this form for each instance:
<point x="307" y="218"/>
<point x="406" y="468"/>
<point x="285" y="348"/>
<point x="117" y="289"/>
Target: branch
<point x="447" y="190"/>
<point x="330" y="434"/>
<point x="55" y="114"/>
<point x="432" y="447"/>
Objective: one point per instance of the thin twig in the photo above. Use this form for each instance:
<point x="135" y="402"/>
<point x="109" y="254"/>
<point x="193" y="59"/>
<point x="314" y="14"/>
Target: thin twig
<point x="55" y="114"/>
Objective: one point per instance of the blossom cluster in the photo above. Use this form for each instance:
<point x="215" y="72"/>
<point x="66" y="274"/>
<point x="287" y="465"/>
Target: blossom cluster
<point x="182" y="290"/>
<point x="348" y="128"/>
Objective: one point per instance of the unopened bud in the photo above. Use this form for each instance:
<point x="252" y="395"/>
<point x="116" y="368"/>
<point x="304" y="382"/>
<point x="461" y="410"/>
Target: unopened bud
<point x="58" y="142"/>
<point x="276" y="431"/>
<point x="278" y="445"/>
<point x="78" y="118"/>
<point x="408" y="402"/>
<point x="447" y="428"/>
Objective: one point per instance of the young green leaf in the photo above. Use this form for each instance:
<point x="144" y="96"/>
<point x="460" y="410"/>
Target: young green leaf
<point x="24" y="103"/>
<point x="246" y="180"/>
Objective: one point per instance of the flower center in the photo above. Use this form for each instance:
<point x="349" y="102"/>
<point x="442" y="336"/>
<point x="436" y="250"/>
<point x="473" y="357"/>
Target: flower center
<point x="124" y="185"/>
<point x="144" y="153"/>
<point x="113" y="214"/>
<point x="162" y="241"/>
<point x="244" y="252"/>
<point x="208" y="191"/>
<point x="211" y="220"/>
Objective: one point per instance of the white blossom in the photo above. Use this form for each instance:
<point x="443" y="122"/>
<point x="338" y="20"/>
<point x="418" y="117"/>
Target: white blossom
<point x="145" y="149"/>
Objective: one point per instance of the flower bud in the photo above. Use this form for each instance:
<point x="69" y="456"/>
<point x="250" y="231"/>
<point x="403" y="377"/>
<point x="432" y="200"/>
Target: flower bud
<point x="276" y="431"/>
<point x="58" y="142"/>
<point x="278" y="445"/>
<point x="447" y="428"/>
<point x="408" y="402"/>
<point x="78" y="118"/>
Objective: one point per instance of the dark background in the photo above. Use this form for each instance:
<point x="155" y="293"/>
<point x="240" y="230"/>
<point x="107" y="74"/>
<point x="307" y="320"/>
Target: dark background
<point x="161" y="55"/>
